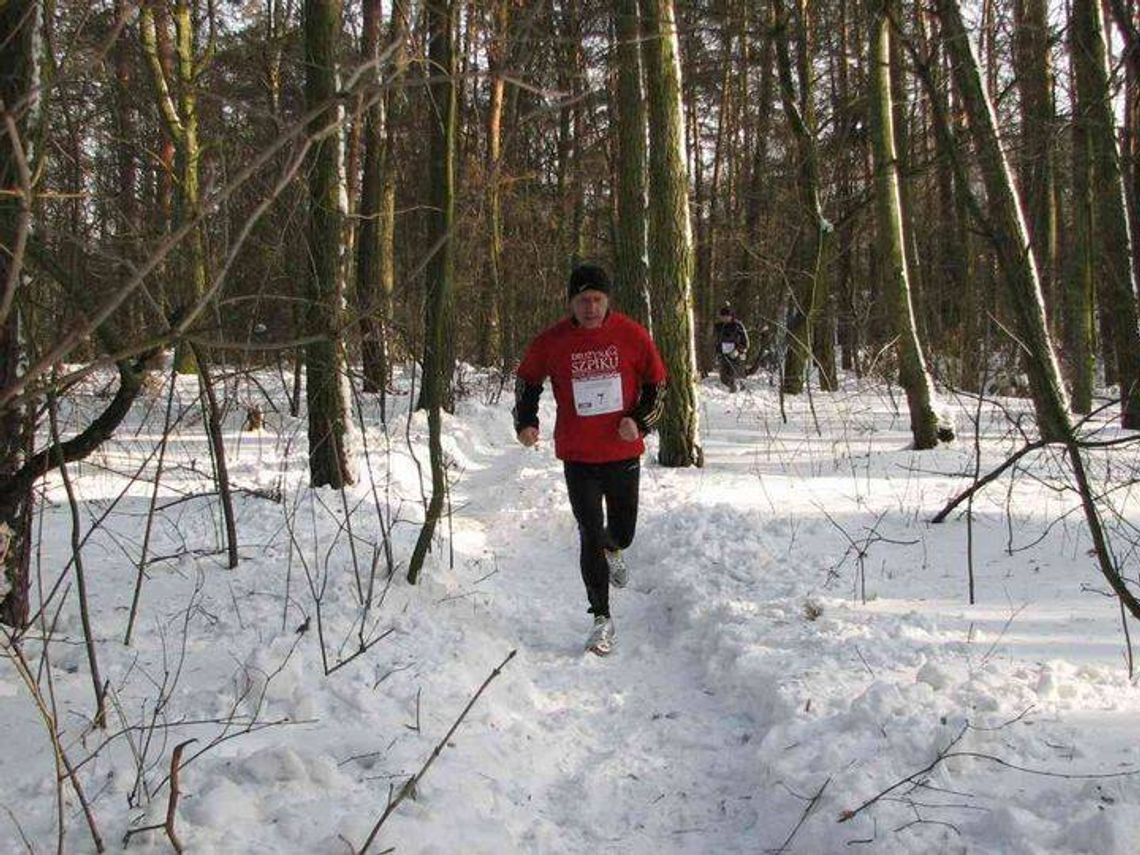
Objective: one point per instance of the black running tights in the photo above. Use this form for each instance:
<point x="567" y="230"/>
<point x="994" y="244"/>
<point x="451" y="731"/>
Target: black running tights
<point x="589" y="485"/>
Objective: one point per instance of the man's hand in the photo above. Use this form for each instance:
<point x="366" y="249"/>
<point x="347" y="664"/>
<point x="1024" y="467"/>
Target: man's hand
<point x="628" y="429"/>
<point x="528" y="436"/>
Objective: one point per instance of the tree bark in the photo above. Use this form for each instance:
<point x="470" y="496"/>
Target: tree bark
<point x="369" y="296"/>
<point x="395" y="102"/>
<point x="1112" y="247"/>
<point x="490" y="333"/>
<point x="913" y="376"/>
<point x="17" y="430"/>
<point x="325" y="378"/>
<point x="176" y="90"/>
<point x="1080" y="290"/>
<point x="670" y="237"/>
<point x="19" y="24"/>
<point x="570" y="132"/>
<point x="804" y="273"/>
<point x="907" y="182"/>
<point x="956" y="314"/>
<point x="435" y="394"/>
<point x="631" y="266"/>
<point x="1034" y="75"/>
<point x="1006" y="230"/>
<point x="747" y="296"/>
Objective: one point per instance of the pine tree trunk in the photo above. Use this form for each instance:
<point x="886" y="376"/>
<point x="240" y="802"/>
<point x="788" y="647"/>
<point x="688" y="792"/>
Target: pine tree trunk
<point x="1113" y="249"/>
<point x="1127" y="21"/>
<point x="805" y="267"/>
<point x="325" y="379"/>
<point x="16" y="435"/>
<point x="126" y="218"/>
<point x="631" y="267"/>
<point x="570" y="132"/>
<point x="670" y="238"/>
<point x="907" y="190"/>
<point x="395" y="100"/>
<point x="954" y="313"/>
<point x="1079" y="290"/>
<point x="438" y="366"/>
<point x="1034" y="76"/>
<point x="175" y="69"/>
<point x="373" y="343"/>
<point x="1006" y="229"/>
<point x="847" y="326"/>
<point x="913" y="375"/>
<point x="19" y="23"/>
<point x="713" y="204"/>
<point x="435" y="394"/>
<point x="747" y="295"/>
<point x="490" y="333"/>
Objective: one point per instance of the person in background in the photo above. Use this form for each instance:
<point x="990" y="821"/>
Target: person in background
<point x="731" y="346"/>
<point x="608" y="381"/>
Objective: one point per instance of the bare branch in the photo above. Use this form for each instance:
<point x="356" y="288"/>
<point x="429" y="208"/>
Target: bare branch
<point x="410" y="785"/>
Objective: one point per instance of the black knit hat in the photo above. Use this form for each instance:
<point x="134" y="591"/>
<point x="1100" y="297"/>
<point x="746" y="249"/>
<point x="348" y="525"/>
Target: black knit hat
<point x="587" y="277"/>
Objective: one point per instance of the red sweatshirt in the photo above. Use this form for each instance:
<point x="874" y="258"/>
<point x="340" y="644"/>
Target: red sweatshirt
<point x="597" y="377"/>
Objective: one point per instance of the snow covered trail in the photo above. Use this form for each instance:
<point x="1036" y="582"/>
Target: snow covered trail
<point x="793" y="628"/>
<point x="637" y="752"/>
<point x="748" y="680"/>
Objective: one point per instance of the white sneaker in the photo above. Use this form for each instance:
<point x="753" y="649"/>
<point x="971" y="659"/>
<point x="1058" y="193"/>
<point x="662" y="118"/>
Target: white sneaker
<point x="619" y="573"/>
<point x="602" y="637"/>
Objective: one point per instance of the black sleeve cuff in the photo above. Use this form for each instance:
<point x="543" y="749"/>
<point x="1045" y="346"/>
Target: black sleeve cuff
<point x="525" y="410"/>
<point x="650" y="405"/>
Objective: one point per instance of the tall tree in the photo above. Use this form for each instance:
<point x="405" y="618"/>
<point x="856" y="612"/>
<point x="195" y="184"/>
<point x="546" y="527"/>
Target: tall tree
<point x="176" y="89"/>
<point x="571" y="129"/>
<point x="325" y="378"/>
<point x="747" y="293"/>
<point x="631" y="268"/>
<point x="19" y="99"/>
<point x="1126" y="17"/>
<point x="490" y="334"/>
<point x="670" y="237"/>
<point x="805" y="267"/>
<point x="395" y="105"/>
<point x="913" y="376"/>
<point x="369" y="294"/>
<point x="904" y="142"/>
<point x="1079" y="294"/>
<point x="1034" y="76"/>
<point x="953" y="308"/>
<point x="848" y="153"/>
<point x="1005" y="227"/>
<point x="435" y="394"/>
<point x="1004" y="224"/>
<point x="1110" y="232"/>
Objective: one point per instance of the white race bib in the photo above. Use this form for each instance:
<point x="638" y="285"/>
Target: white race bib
<point x="597" y="396"/>
<point x="727" y="347"/>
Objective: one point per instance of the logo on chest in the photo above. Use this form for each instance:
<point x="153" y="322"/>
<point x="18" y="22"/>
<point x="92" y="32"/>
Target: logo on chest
<point x="591" y="363"/>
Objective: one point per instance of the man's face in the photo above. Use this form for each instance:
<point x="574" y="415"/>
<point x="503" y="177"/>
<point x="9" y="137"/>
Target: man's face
<point x="589" y="308"/>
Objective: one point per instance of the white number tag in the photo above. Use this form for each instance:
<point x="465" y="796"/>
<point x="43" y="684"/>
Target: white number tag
<point x="598" y="395"/>
<point x="727" y="347"/>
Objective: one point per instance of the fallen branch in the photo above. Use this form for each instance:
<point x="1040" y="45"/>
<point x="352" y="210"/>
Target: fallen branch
<point x="812" y="802"/>
<point x="410" y="785"/>
<point x="990" y="476"/>
<point x="64" y="768"/>
<point x="948" y="754"/>
<point x="171" y="803"/>
<point x="1033" y="445"/>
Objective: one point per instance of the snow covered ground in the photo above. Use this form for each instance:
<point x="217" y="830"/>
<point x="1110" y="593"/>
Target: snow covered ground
<point x="795" y="641"/>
